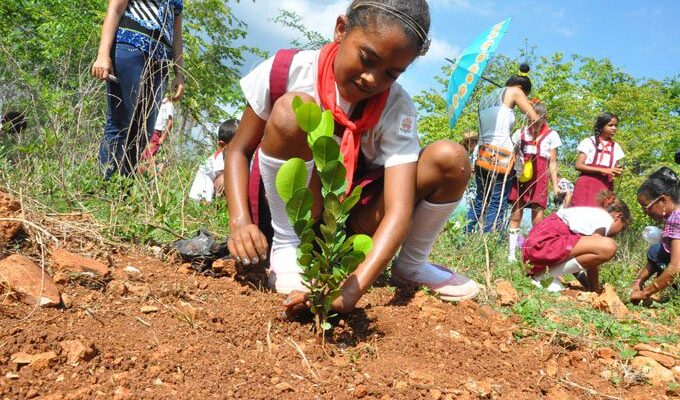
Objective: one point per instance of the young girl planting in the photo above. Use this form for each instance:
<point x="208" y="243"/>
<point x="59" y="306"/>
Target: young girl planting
<point x="539" y="145"/>
<point x="408" y="194"/>
<point x="659" y="196"/>
<point x="576" y="240"/>
<point x="598" y="162"/>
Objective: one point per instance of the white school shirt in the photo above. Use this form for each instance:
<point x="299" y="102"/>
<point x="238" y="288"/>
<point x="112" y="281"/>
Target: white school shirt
<point x="203" y="187"/>
<point x="587" y="147"/>
<point x="550" y="141"/>
<point x="165" y="112"/>
<point x="392" y="141"/>
<point x="496" y="120"/>
<point x="586" y="220"/>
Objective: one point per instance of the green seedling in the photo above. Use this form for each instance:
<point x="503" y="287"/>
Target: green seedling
<point x="327" y="256"/>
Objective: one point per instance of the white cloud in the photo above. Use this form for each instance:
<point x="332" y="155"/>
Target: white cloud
<point x="566" y="32"/>
<point x="439" y="50"/>
<point x="479" y="7"/>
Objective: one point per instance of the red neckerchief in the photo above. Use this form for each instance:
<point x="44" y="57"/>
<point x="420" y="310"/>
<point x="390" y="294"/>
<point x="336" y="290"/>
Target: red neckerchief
<point x="351" y="137"/>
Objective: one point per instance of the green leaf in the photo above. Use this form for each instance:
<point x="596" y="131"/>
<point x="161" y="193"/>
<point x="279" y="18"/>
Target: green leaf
<point x="306" y="248"/>
<point x="331" y="203"/>
<point x="326" y="326"/>
<point x="308" y="116"/>
<point x="351" y="200"/>
<point x="300" y="205"/>
<point x="325" y="150"/>
<point x="327" y="233"/>
<point x="301" y="225"/>
<point x="362" y="243"/>
<point x="349" y="263"/>
<point x="333" y="178"/>
<point x="326" y="128"/>
<point x="292" y="176"/>
<point x="329" y="220"/>
<point x="297" y="102"/>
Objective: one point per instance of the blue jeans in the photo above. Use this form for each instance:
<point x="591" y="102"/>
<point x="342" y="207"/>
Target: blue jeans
<point x="132" y="108"/>
<point x="490" y="202"/>
<point x="658" y="258"/>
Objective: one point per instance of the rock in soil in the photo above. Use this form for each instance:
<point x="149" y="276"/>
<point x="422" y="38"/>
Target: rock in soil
<point x="657" y="374"/>
<point x="27" y="279"/>
<point x="507" y="295"/>
<point x="75" y="351"/>
<point x="35" y="361"/>
<point x="63" y="260"/>
<point x="610" y="302"/>
<point x="9" y="208"/>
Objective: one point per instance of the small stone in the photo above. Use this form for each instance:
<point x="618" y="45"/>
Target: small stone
<point x="557" y="393"/>
<point x="61" y="278"/>
<point x="12" y="375"/>
<point x="148" y="309"/>
<point x="435" y="394"/>
<point x="662" y="359"/>
<point x="606" y="353"/>
<point x="77" y="351"/>
<point x="27" y="280"/>
<point x="66" y="300"/>
<point x="551" y="368"/>
<point x="63" y="260"/>
<point x="185" y="269"/>
<point x="117" y="287"/>
<point x="284" y="387"/>
<point x="507" y="295"/>
<point x="657" y="374"/>
<point x="401" y="385"/>
<point x="37" y="361"/>
<point x="225" y="266"/>
<point x="503" y="348"/>
<point x="158" y="382"/>
<point x="610" y="302"/>
<point x="487" y="312"/>
<point x="360" y="391"/>
<point x="676" y="372"/>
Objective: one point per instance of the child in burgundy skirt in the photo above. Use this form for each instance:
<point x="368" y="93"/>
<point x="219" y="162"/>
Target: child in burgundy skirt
<point x="576" y="240"/>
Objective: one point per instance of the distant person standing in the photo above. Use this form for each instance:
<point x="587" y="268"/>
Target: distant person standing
<point x="566" y="191"/>
<point x="140" y="39"/>
<point x="598" y="162"/>
<point x="494" y="166"/>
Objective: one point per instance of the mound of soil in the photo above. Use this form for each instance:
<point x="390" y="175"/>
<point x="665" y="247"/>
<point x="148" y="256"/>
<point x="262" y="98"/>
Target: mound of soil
<point x="160" y="333"/>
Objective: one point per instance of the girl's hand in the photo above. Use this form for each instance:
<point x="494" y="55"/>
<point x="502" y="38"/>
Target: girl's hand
<point x="248" y="244"/>
<point x="614" y="171"/>
<point x="637" y="296"/>
<point x="295" y="303"/>
<point x="102" y="67"/>
<point x="218" y="185"/>
<point x="636" y="285"/>
<point x="178" y="87"/>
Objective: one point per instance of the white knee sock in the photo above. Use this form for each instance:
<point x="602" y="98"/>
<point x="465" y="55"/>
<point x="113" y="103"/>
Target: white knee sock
<point x="283" y="260"/>
<point x="427" y="221"/>
<point x="571" y="266"/>
<point x="513" y="238"/>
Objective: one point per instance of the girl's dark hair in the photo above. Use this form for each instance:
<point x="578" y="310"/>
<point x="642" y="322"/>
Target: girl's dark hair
<point x="602" y="120"/>
<point x="519" y="79"/>
<point x="611" y="203"/>
<point x="227" y="130"/>
<point x="663" y="181"/>
<point x="412" y="16"/>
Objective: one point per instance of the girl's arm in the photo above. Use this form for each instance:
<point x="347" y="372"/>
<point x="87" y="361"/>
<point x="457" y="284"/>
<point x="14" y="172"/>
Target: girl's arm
<point x="666" y="278"/>
<point x="246" y="240"/>
<point x="102" y="66"/>
<point x="518" y="98"/>
<point x="567" y="199"/>
<point x="581" y="166"/>
<point x="166" y="131"/>
<point x="178" y="63"/>
<point x="399" y="180"/>
<point x="553" y="170"/>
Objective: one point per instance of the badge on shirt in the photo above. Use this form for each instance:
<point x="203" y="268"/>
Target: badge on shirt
<point x="407" y="124"/>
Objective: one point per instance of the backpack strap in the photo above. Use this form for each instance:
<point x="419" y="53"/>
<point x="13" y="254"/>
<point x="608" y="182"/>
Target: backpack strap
<point x="278" y="80"/>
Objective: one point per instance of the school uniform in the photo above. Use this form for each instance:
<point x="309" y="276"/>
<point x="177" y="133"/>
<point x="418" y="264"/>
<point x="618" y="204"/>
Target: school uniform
<point x="550" y="241"/>
<point x="604" y="154"/>
<point x="203" y="186"/>
<point x="165" y="112"/>
<point x="537" y="151"/>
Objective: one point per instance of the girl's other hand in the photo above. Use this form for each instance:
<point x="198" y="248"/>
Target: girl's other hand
<point x="248" y="245"/>
<point x="295" y="303"/>
<point x="102" y="68"/>
<point x="637" y="296"/>
<point x="615" y="171"/>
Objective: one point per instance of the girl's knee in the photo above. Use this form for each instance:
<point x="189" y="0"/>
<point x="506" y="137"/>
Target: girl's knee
<point x="450" y="159"/>
<point x="607" y="248"/>
<point x="282" y="120"/>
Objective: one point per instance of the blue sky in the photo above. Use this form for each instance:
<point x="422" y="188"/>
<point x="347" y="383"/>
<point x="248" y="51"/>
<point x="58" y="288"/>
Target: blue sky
<point x="641" y="37"/>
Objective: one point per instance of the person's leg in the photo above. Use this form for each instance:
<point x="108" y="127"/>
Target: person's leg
<point x="283" y="139"/>
<point x="657" y="259"/>
<point x="590" y="252"/>
<point x="501" y="193"/>
<point x="128" y="62"/>
<point x="442" y="176"/>
<point x="475" y="211"/>
<point x="513" y="229"/>
<point x="146" y="110"/>
<point x="537" y="215"/>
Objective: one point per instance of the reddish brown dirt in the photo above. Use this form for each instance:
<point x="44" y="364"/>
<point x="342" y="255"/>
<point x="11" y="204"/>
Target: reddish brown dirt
<point x="9" y="208"/>
<point x="223" y="338"/>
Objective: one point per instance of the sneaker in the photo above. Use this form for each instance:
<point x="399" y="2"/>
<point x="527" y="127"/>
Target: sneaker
<point x="554" y="287"/>
<point x="512" y="258"/>
<point x="284" y="271"/>
<point x="456" y="288"/>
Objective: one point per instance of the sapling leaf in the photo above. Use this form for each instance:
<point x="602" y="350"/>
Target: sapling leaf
<point x="297" y="102"/>
<point x="351" y="200"/>
<point x="326" y="326"/>
<point x="349" y="263"/>
<point x="306" y="248"/>
<point x="327" y="233"/>
<point x="362" y="243"/>
<point x="308" y="116"/>
<point x="325" y="128"/>
<point x="325" y="150"/>
<point x="331" y="203"/>
<point x="333" y="178"/>
<point x="301" y="224"/>
<point x="292" y="176"/>
<point x="299" y="206"/>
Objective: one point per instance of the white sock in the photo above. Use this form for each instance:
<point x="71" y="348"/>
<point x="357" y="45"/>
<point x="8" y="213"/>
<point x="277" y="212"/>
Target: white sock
<point x="570" y="266"/>
<point x="513" y="238"/>
<point x="283" y="259"/>
<point x="427" y="221"/>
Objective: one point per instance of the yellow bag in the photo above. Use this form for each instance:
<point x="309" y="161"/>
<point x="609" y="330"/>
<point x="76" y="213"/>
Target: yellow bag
<point x="527" y="172"/>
